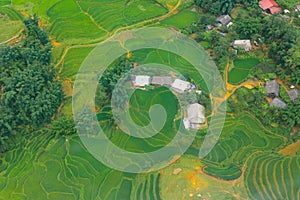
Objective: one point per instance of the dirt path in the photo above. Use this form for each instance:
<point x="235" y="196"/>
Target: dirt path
<point x="230" y="89"/>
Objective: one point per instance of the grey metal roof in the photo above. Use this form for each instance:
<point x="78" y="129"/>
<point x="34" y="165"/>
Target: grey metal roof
<point x="195" y="113"/>
<point x="272" y="87"/>
<point x="224" y="19"/>
<point x="294" y="94"/>
<point x="161" y="80"/>
<point x="278" y="103"/>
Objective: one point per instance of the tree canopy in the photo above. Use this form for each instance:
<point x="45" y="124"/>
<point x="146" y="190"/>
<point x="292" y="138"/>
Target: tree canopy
<point x="30" y="94"/>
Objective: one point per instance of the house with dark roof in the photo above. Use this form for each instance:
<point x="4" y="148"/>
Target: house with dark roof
<point x="272" y="88"/>
<point x="278" y="103"/>
<point x="161" y="80"/>
<point x="294" y="94"/>
<point x="223" y="20"/>
<point x="269" y="6"/>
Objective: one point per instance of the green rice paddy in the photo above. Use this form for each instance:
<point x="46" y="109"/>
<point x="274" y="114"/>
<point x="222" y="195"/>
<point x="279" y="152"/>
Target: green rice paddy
<point x="241" y="69"/>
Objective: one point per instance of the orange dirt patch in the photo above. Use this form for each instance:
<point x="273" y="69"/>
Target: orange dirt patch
<point x="129" y="54"/>
<point x="55" y="43"/>
<point x="193" y="36"/>
<point x="25" y="14"/>
<point x="291" y="149"/>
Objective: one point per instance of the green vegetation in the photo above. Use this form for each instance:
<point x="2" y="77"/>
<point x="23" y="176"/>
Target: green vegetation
<point x="30" y="94"/>
<point x="241" y="69"/>
<point x="241" y="137"/>
<point x="4" y="2"/>
<point x="181" y="20"/>
<point x="49" y="161"/>
<point x="140" y="103"/>
<point x="273" y="176"/>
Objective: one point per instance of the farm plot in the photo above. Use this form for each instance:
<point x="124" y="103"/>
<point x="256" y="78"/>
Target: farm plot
<point x="69" y="23"/>
<point x="140" y="103"/>
<point x="273" y="176"/>
<point x="72" y="62"/>
<point x="11" y="23"/>
<point x="117" y="13"/>
<point x="241" y="70"/>
<point x="181" y="20"/>
<point x="44" y="167"/>
<point x="240" y="137"/>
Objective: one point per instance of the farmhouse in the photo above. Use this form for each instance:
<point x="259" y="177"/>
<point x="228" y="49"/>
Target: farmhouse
<point x="278" y="103"/>
<point x="294" y="94"/>
<point x="180" y="86"/>
<point x="269" y="6"/>
<point x="161" y="80"/>
<point x="297" y="8"/>
<point x="272" y="88"/>
<point x="223" y="20"/>
<point x="195" y="116"/>
<point x="243" y="44"/>
<point x="141" y="81"/>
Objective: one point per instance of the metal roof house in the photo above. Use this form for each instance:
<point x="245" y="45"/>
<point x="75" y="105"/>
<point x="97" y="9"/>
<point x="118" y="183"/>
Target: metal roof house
<point x="272" y="88"/>
<point x="269" y="6"/>
<point x="180" y="86"/>
<point x="294" y="94"/>
<point x="278" y="103"/>
<point x="223" y="20"/>
<point x="161" y="80"/>
<point x="243" y="44"/>
<point x="141" y="81"/>
<point x="195" y="116"/>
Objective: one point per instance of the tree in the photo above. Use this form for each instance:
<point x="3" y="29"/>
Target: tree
<point x="30" y="93"/>
<point x="248" y="28"/>
<point x="63" y="126"/>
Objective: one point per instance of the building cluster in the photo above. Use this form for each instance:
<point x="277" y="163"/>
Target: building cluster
<point x="272" y="89"/>
<point x="194" y="116"/>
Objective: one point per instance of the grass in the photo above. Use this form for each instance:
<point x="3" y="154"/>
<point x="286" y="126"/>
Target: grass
<point x="270" y="175"/>
<point x="181" y="20"/>
<point x="241" y="70"/>
<point x="9" y="28"/>
<point x="5" y="2"/>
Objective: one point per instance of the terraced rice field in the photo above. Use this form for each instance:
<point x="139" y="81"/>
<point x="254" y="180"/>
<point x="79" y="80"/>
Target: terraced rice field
<point x="273" y="176"/>
<point x="241" y="137"/>
<point x="45" y="167"/>
<point x="241" y="70"/>
<point x="140" y="103"/>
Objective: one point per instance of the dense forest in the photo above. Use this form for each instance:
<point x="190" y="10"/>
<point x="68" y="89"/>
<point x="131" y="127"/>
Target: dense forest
<point x="29" y="90"/>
